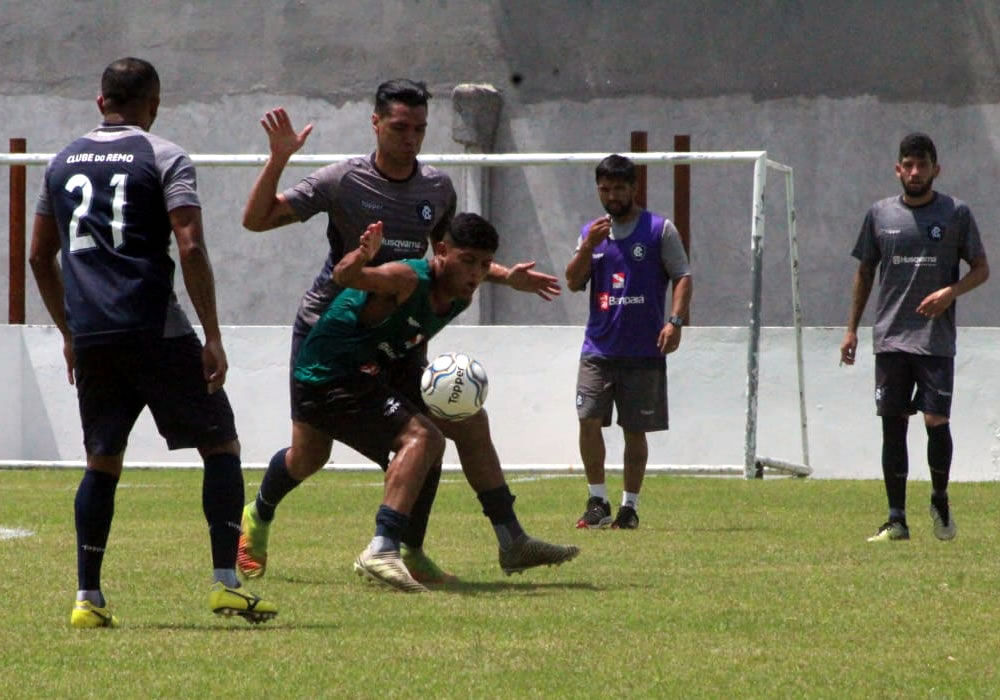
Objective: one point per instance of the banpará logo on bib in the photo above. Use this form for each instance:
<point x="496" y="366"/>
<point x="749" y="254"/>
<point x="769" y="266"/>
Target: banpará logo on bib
<point x="425" y="210"/>
<point x="638" y="251"/>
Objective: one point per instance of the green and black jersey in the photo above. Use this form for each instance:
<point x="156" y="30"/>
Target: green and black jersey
<point x="340" y="346"/>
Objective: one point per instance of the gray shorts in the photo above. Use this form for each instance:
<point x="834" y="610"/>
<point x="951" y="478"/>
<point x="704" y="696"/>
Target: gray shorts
<point x="636" y="388"/>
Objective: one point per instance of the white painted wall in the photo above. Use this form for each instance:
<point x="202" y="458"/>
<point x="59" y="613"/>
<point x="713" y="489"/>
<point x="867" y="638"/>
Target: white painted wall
<point x="532" y="372"/>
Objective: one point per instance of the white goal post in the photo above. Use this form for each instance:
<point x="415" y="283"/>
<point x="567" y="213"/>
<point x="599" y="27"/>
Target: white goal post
<point x="754" y="465"/>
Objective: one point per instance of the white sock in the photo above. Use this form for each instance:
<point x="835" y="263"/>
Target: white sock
<point x="598" y="491"/>
<point x="94" y="597"/>
<point x="227" y="577"/>
<point x="630" y="499"/>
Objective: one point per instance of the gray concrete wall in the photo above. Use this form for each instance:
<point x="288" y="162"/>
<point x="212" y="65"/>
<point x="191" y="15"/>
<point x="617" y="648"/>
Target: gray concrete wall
<point x="532" y="373"/>
<point x="826" y="88"/>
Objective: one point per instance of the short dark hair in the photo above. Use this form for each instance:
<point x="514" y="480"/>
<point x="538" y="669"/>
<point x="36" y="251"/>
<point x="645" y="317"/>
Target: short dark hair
<point x="917" y="145"/>
<point x="409" y="92"/>
<point x="129" y="80"/>
<point x="470" y="230"/>
<point x="616" y="167"/>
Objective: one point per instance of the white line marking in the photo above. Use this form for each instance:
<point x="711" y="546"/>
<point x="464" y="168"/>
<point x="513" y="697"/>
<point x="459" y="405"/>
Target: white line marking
<point x="10" y="533"/>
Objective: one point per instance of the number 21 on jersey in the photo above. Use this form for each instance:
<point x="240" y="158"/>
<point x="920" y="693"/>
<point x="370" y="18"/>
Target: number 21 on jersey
<point x="79" y="242"/>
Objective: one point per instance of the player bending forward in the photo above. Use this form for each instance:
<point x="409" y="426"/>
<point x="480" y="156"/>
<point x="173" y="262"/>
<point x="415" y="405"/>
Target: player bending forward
<point x="340" y="389"/>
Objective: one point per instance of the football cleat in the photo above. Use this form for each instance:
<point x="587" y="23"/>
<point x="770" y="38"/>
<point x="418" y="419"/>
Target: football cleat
<point x="422" y="568"/>
<point x="387" y="569"/>
<point x="627" y="519"/>
<point x="86" y="615"/>
<point x="891" y="530"/>
<point x="527" y="552"/>
<point x="597" y="516"/>
<point x="235" y="601"/>
<point x="251" y="557"/>
<point x="944" y="524"/>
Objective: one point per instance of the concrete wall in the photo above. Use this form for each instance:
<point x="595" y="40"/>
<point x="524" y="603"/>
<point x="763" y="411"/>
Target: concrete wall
<point x="827" y="89"/>
<point x="532" y="378"/>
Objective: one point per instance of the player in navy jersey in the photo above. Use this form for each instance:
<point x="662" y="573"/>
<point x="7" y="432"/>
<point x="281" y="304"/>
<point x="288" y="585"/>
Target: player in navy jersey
<point x="916" y="240"/>
<point x="628" y="258"/>
<point x="109" y="204"/>
<point x="340" y="390"/>
<point x="415" y="202"/>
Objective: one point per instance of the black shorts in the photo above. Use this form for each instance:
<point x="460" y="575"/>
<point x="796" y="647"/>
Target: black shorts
<point x="638" y="389"/>
<point x="363" y="412"/>
<point x="906" y="383"/>
<point x="114" y="382"/>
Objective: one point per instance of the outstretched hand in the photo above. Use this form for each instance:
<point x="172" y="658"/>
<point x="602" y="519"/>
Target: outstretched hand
<point x="524" y="278"/>
<point x="281" y="137"/>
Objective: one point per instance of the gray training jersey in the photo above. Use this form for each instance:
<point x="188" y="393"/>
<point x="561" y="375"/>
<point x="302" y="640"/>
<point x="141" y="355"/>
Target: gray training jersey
<point x="918" y="250"/>
<point x="354" y="194"/>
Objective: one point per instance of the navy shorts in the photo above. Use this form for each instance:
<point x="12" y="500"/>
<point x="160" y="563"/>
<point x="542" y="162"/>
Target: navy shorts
<point x="636" y="388"/>
<point x="906" y="383"/>
<point x="115" y="381"/>
<point x="362" y="411"/>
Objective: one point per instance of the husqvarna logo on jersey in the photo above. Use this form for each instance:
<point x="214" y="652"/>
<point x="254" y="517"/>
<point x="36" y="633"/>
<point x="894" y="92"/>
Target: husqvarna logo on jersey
<point x="425" y="210"/>
<point x="617" y="280"/>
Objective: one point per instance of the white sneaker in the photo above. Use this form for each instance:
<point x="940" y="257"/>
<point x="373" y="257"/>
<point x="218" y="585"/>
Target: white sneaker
<point x="388" y="569"/>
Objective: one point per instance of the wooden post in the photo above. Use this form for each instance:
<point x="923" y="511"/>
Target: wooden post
<point x="682" y="192"/>
<point x="16" y="205"/>
<point x="638" y="145"/>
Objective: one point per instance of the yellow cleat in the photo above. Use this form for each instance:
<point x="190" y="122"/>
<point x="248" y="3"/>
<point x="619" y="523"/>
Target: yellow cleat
<point x="235" y="601"/>
<point x="423" y="569"/>
<point x="86" y="615"/>
<point x="251" y="557"/>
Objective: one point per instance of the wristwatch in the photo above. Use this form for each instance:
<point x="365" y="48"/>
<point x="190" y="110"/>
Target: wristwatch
<point x="676" y="321"/>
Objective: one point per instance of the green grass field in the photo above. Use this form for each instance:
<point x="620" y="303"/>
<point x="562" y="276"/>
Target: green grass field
<point x="728" y="589"/>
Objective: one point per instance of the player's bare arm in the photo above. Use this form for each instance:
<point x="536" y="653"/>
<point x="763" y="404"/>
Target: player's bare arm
<point x="45" y="246"/>
<point x="936" y="303"/>
<point x="578" y="269"/>
<point x="200" y="284"/>
<point x="669" y="338"/>
<point x="864" y="277"/>
<point x="266" y="209"/>
<point x="395" y="280"/>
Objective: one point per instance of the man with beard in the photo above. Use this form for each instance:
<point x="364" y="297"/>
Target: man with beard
<point x="630" y="257"/>
<point x="916" y="239"/>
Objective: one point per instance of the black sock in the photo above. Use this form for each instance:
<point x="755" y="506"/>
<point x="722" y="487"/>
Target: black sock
<point x="498" y="506"/>
<point x="390" y="523"/>
<point x="94" y="508"/>
<point x="939" y="449"/>
<point x="421" y="512"/>
<point x="895" y="460"/>
<point x="275" y="485"/>
<point x="222" y="500"/>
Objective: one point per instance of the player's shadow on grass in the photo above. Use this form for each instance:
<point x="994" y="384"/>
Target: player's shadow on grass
<point x="467" y="588"/>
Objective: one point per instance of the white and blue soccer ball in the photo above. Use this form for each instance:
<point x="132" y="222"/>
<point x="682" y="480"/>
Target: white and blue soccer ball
<point x="454" y="386"/>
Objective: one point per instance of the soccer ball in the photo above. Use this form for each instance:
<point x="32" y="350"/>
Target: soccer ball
<point x="454" y="386"/>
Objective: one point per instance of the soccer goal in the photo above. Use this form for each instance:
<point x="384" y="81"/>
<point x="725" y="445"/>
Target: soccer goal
<point x="755" y="465"/>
